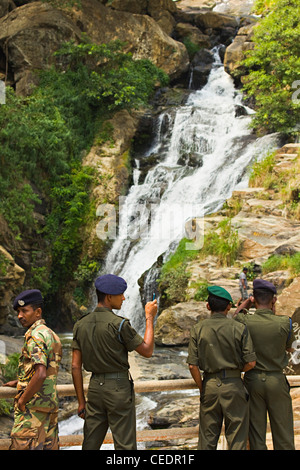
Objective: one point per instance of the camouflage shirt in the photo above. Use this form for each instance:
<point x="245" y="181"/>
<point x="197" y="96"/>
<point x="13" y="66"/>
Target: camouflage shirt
<point x="41" y="346"/>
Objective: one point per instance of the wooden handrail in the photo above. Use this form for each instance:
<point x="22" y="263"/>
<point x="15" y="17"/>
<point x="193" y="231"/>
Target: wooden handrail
<point x="147" y="435"/>
<point x="140" y="386"/>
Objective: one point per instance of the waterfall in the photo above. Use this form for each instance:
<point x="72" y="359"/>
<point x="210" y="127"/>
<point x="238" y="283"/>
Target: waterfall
<point x="203" y="157"/>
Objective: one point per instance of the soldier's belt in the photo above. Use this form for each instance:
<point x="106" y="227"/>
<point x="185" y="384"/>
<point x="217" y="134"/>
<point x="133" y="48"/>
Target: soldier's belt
<point x="264" y="372"/>
<point x="223" y="374"/>
<point x="112" y="375"/>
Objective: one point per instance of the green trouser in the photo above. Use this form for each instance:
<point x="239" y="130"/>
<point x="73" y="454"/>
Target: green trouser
<point x="223" y="399"/>
<point x="110" y="404"/>
<point x="270" y="393"/>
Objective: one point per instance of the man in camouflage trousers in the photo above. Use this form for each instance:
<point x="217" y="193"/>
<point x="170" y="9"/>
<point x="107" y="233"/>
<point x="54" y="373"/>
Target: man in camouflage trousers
<point x="36" y="402"/>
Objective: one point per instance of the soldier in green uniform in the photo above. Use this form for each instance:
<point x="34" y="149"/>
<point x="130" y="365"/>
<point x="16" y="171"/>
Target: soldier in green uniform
<point x="272" y="337"/>
<point x="36" y="403"/>
<point x="222" y="352"/>
<point x="101" y="341"/>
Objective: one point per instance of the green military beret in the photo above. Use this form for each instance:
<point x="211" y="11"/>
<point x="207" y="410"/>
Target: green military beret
<point x="220" y="292"/>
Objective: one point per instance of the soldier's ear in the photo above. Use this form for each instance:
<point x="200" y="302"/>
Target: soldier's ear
<point x="38" y="312"/>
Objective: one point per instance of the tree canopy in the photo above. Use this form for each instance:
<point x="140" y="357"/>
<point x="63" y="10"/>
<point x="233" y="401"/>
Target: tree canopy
<point x="273" y="66"/>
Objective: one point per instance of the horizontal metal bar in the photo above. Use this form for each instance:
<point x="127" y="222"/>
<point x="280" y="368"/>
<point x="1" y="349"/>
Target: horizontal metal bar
<point x="139" y="386"/>
<point x="148" y="435"/>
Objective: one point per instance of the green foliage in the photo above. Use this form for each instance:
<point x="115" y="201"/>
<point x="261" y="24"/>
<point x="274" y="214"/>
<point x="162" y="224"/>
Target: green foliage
<point x="70" y="207"/>
<point x="262" y="7"/>
<point x="191" y="47"/>
<point x="222" y="243"/>
<point x="86" y="270"/>
<point x="201" y="293"/>
<point x="9" y="370"/>
<point x="282" y="262"/>
<point x="174" y="277"/>
<point x="17" y="206"/>
<point x="261" y="174"/>
<point x="173" y="284"/>
<point x="6" y="407"/>
<point x="40" y="278"/>
<point x="4" y="262"/>
<point x="44" y="136"/>
<point x="273" y="66"/>
<point x="112" y="77"/>
<point x="284" y="183"/>
<point x="179" y="257"/>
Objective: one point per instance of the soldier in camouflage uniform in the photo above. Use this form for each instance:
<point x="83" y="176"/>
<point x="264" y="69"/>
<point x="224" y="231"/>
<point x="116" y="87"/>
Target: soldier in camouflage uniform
<point x="36" y="403"/>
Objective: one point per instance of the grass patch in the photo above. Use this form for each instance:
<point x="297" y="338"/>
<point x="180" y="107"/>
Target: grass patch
<point x="282" y="262"/>
<point x="174" y="277"/>
<point x="222" y="242"/>
<point x="283" y="185"/>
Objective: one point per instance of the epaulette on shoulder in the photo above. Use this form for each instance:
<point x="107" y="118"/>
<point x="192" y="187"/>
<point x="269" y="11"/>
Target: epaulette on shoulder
<point x="120" y="328"/>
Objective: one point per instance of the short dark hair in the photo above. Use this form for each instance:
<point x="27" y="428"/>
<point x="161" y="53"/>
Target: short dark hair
<point x="263" y="296"/>
<point x="217" y="304"/>
<point x="100" y="296"/>
<point x="38" y="305"/>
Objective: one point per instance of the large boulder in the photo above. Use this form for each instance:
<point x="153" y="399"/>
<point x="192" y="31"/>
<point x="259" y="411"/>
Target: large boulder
<point x="29" y="35"/>
<point x="174" y="324"/>
<point x="235" y="52"/>
<point x="133" y="6"/>
<point x="288" y="302"/>
<point x="150" y="7"/>
<point x="186" y="31"/>
<point x="143" y="36"/>
<point x="215" y="21"/>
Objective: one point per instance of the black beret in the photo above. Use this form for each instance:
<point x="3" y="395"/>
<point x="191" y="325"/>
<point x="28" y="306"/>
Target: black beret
<point x="110" y="284"/>
<point x="28" y="297"/>
<point x="262" y="284"/>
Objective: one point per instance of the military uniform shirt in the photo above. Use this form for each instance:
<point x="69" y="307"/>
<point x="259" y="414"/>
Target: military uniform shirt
<point x="263" y="325"/>
<point x="216" y="344"/>
<point x="96" y="335"/>
<point x="41" y="346"/>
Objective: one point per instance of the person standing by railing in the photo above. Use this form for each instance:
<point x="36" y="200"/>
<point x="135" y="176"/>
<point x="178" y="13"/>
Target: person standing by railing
<point x="222" y="349"/>
<point x="269" y="389"/>
<point x="36" y="402"/>
<point x="101" y="341"/>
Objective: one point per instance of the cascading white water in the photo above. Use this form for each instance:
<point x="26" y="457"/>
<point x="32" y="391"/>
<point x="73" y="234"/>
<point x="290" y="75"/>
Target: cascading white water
<point x="171" y="194"/>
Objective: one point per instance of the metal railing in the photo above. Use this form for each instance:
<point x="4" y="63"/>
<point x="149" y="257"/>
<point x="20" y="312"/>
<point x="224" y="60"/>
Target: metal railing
<point x="148" y="435"/>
